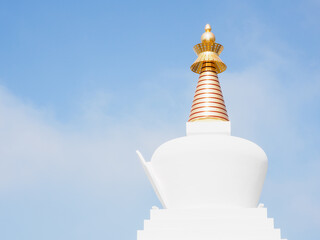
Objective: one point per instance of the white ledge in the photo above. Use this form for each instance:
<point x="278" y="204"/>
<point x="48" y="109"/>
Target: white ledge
<point x="212" y="127"/>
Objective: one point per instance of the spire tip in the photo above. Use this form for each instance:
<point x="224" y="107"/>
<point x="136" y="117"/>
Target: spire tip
<point x="207" y="28"/>
<point x="208" y="37"/>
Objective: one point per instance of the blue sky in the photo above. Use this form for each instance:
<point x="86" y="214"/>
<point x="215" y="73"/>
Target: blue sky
<point x="83" y="84"/>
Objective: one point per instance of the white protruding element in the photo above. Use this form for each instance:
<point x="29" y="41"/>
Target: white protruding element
<point x="208" y="127"/>
<point x="152" y="178"/>
<point x="210" y="170"/>
<point x="208" y="224"/>
<point x="261" y="205"/>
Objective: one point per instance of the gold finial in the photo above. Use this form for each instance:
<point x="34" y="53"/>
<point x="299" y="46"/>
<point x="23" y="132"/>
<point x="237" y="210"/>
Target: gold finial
<point x="208" y="51"/>
<point x="208" y="37"/>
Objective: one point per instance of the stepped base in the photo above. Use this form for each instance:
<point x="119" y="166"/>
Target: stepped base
<point x="209" y="224"/>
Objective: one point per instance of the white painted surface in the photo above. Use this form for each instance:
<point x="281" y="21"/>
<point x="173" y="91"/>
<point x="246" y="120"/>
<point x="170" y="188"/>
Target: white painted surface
<point x="209" y="184"/>
<point x="209" y="170"/>
<point x="208" y="127"/>
<point x="152" y="178"/>
<point x="205" y="224"/>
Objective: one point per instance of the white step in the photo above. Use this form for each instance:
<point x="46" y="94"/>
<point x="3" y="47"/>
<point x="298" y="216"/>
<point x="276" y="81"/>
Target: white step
<point x="198" y="224"/>
<point x="210" y="238"/>
<point x="209" y="224"/>
<point x="245" y="213"/>
<point x="208" y="235"/>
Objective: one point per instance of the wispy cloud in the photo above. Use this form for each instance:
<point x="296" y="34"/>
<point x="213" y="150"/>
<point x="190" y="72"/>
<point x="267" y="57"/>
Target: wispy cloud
<point x="34" y="148"/>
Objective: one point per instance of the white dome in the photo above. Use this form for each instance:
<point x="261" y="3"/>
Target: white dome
<point x="209" y="171"/>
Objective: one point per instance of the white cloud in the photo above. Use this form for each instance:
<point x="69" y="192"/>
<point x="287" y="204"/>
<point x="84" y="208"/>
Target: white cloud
<point x="34" y="148"/>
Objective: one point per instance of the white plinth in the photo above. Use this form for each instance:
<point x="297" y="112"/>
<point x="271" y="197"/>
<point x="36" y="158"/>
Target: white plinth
<point x="202" y="127"/>
<point x="209" y="224"/>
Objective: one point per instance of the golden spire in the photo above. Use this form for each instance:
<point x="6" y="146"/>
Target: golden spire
<point x="208" y="102"/>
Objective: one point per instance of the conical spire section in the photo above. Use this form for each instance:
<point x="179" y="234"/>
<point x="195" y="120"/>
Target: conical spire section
<point x="208" y="103"/>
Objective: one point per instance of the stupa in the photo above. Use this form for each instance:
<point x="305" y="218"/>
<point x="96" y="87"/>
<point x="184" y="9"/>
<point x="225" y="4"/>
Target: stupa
<point x="209" y="182"/>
